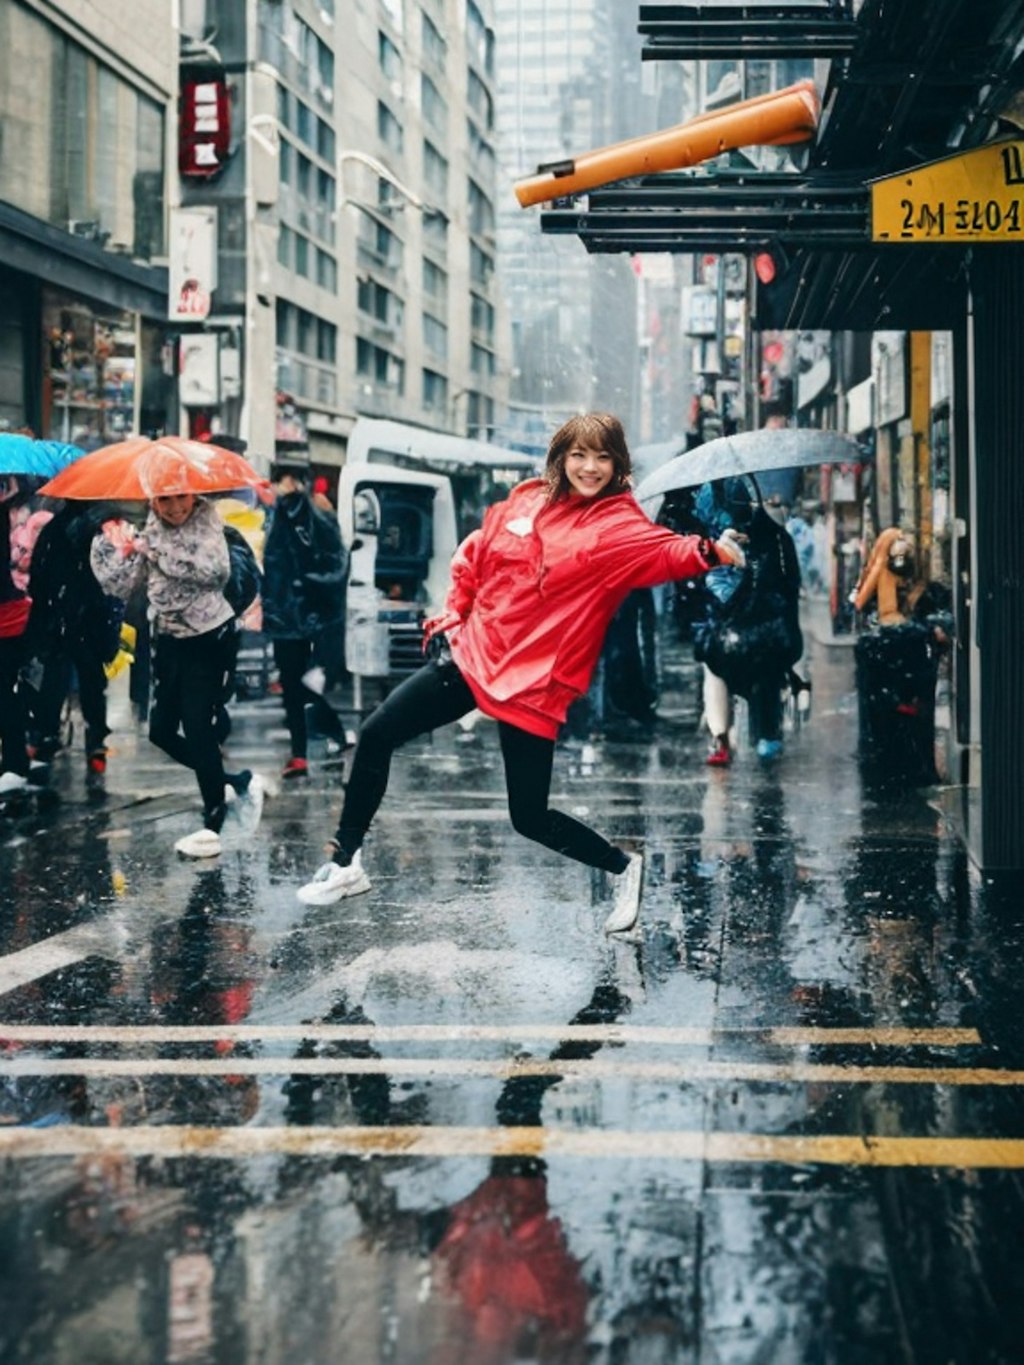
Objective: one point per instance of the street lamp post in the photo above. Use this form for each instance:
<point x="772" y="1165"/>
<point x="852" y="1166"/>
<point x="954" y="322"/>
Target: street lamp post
<point x="385" y="173"/>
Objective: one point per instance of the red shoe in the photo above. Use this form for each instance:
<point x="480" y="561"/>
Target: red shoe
<point x="295" y="767"/>
<point x="97" y="762"/>
<point x="719" y="757"/>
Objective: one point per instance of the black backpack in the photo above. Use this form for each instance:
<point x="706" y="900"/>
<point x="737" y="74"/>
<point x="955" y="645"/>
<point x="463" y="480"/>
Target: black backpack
<point x="246" y="581"/>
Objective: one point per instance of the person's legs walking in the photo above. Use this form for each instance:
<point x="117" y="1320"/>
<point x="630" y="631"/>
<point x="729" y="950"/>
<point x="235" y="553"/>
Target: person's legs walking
<point x="718" y="714"/>
<point x="292" y="659"/>
<point x="528" y="765"/>
<point x="14" y="765"/>
<point x="434" y="695"/>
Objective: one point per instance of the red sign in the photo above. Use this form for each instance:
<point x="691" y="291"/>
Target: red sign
<point x="204" y="128"/>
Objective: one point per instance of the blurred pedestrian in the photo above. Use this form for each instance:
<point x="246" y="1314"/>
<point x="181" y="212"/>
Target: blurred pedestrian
<point x="73" y="631"/>
<point x="15" y="605"/>
<point x="182" y="556"/>
<point x="750" y="636"/>
<point x="532" y="593"/>
<point x="305" y="569"/>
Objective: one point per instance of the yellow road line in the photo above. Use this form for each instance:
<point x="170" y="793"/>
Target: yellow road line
<point x="419" y="1142"/>
<point x="505" y="1069"/>
<point x="457" y="1033"/>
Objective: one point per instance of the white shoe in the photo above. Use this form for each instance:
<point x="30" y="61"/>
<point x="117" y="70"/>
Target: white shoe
<point x="204" y="843"/>
<point x="11" y="783"/>
<point x="333" y="883"/>
<point x="628" y="886"/>
<point x="249" y="805"/>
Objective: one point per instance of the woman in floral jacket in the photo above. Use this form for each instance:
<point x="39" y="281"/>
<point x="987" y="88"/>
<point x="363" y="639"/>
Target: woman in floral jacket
<point x="182" y="558"/>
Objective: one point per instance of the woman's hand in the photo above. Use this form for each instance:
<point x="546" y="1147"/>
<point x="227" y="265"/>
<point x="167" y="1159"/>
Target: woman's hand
<point x="121" y="534"/>
<point x="730" y="547"/>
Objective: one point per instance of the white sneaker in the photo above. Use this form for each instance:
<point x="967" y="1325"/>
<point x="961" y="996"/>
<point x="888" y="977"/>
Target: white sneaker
<point x="628" y="886"/>
<point x="11" y="783"/>
<point x="333" y="883"/>
<point x="204" y="843"/>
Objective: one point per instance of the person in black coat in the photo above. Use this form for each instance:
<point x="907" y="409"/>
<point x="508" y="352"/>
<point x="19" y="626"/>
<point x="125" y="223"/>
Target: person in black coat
<point x="305" y="568"/>
<point x="73" y="631"/>
<point x="750" y="636"/>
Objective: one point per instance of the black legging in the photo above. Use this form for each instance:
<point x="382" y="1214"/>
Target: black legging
<point x="435" y="695"/>
<point x="189" y="677"/>
<point x="12" y="713"/>
<point x="293" y="658"/>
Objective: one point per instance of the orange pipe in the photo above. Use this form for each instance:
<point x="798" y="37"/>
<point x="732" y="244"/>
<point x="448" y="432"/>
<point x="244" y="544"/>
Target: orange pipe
<point x="789" y="115"/>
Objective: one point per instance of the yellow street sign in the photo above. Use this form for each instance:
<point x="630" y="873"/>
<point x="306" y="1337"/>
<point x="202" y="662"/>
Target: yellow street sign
<point x="975" y="197"/>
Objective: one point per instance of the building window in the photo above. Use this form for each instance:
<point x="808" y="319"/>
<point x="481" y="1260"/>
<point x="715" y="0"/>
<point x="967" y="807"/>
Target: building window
<point x="435" y="392"/>
<point x="302" y="255"/>
<point x="389" y="59"/>
<point x="379" y="302"/>
<point x="435" y="231"/>
<point x="435" y="49"/>
<point x="482" y="317"/>
<point x="435" y="171"/>
<point x="326" y="341"/>
<point x="435" y="108"/>
<point x="285" y="240"/>
<point x="377" y="363"/>
<point x="481" y="211"/>
<point x="326" y="271"/>
<point x="481" y="361"/>
<point x="479" y="38"/>
<point x="97" y="158"/>
<point x="481" y="266"/>
<point x="435" y="336"/>
<point x="389" y="130"/>
<point x="435" y="281"/>
<point x="478" y="97"/>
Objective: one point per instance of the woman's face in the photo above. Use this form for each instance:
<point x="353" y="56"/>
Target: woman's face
<point x="174" y="509"/>
<point x="589" y="469"/>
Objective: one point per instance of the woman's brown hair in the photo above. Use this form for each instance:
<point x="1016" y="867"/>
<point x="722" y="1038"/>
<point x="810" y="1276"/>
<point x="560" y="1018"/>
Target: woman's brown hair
<point x="600" y="431"/>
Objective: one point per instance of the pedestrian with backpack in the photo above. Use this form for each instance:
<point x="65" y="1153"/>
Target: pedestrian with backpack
<point x="182" y="558"/>
<point x="305" y="569"/>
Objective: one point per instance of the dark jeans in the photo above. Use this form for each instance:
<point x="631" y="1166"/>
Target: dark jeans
<point x="293" y="658"/>
<point x="436" y="695"/>
<point x="54" y="688"/>
<point x="12" y="714"/>
<point x="189" y="679"/>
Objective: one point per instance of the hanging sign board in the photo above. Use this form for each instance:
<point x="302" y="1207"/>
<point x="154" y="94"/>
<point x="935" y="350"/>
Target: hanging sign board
<point x="975" y="197"/>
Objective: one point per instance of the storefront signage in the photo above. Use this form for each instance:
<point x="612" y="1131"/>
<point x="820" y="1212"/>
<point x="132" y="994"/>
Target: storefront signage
<point x="975" y="197"/>
<point x="192" y="265"/>
<point x="204" y="128"/>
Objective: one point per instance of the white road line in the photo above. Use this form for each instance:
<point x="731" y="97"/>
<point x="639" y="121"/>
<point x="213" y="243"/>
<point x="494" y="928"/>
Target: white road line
<point x="963" y="1153"/>
<point x="596" y="1068"/>
<point x="139" y="1034"/>
<point x="56" y="952"/>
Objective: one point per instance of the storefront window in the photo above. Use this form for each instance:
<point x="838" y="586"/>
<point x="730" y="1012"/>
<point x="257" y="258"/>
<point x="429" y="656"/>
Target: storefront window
<point x="89" y="372"/>
<point x="94" y="164"/>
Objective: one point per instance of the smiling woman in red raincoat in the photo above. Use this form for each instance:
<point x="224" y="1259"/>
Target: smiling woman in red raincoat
<point x="533" y="591"/>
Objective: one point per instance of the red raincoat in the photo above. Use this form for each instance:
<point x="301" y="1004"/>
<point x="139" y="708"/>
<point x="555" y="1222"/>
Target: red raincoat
<point x="533" y="592"/>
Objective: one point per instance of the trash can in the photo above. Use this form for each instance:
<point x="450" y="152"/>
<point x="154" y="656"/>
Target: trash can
<point x="897" y="668"/>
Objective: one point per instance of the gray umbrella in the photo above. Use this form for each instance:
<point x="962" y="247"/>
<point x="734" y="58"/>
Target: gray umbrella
<point x="751" y="453"/>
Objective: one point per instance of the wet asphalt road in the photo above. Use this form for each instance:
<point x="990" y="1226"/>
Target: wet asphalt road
<point x="449" y="1122"/>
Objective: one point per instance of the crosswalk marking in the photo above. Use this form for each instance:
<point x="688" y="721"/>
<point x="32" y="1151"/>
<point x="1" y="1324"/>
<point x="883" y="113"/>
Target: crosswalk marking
<point x="141" y="1034"/>
<point x="422" y="1142"/>
<point x="597" y="1068"/>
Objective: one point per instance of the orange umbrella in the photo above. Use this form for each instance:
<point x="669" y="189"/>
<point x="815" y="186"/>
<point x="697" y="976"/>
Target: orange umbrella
<point x="141" y="468"/>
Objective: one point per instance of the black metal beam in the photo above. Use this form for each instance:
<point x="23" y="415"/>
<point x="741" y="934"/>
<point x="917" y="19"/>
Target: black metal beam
<point x="701" y="32"/>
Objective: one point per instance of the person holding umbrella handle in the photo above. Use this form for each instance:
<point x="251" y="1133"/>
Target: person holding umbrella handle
<point x="181" y="557"/>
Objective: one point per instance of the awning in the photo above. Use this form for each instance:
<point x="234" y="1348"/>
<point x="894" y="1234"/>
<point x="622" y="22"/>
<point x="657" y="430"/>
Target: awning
<point x="782" y="116"/>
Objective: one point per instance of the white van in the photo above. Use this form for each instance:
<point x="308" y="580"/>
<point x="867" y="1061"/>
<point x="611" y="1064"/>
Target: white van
<point x="406" y="497"/>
